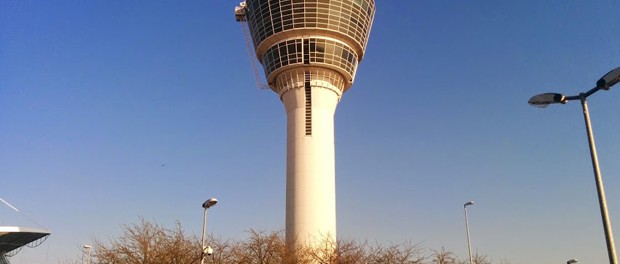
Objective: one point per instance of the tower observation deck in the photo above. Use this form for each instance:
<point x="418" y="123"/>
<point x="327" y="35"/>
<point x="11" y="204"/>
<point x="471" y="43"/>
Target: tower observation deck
<point x="310" y="50"/>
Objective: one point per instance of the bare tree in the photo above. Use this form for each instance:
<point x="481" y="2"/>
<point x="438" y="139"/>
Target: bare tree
<point x="151" y="243"/>
<point x="148" y="243"/>
<point x="329" y="251"/>
<point x="443" y="257"/>
<point x="405" y="253"/>
<point x="223" y="250"/>
<point x="480" y="258"/>
<point x="349" y="252"/>
<point x="260" y="248"/>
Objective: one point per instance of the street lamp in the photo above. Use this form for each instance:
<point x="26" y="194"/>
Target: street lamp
<point x="572" y="261"/>
<point x="88" y="248"/>
<point x="206" y="250"/>
<point x="543" y="100"/>
<point x="471" y="260"/>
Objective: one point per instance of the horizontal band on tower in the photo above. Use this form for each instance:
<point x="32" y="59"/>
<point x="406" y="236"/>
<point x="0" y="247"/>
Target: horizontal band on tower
<point x="310" y="52"/>
<point x="319" y="78"/>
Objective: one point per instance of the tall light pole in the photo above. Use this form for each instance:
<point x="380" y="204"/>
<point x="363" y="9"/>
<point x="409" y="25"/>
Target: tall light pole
<point x="88" y="248"/>
<point x="205" y="250"/>
<point x="543" y="100"/>
<point x="471" y="259"/>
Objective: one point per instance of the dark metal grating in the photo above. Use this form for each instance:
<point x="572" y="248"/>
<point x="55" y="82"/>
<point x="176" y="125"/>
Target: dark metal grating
<point x="308" y="90"/>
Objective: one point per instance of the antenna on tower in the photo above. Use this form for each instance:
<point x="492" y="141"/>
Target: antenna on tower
<point x="241" y="12"/>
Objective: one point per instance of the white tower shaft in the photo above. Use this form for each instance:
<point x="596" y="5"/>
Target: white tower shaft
<point x="310" y="172"/>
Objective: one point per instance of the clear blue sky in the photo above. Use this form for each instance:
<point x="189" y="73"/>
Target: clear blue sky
<point x="96" y="95"/>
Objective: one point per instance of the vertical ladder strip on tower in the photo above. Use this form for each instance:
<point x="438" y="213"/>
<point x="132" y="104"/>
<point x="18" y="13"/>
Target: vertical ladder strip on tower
<point x="308" y="94"/>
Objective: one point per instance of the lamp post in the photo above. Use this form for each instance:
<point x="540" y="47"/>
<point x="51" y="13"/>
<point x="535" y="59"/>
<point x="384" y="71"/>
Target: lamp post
<point x="205" y="250"/>
<point x="88" y="248"/>
<point x="543" y="100"/>
<point x="572" y="261"/>
<point x="471" y="260"/>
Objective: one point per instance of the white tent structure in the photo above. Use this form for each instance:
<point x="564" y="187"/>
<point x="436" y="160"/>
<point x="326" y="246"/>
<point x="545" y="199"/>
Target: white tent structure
<point x="13" y="238"/>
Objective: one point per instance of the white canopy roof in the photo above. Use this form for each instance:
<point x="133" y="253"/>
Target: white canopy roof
<point x="14" y="237"/>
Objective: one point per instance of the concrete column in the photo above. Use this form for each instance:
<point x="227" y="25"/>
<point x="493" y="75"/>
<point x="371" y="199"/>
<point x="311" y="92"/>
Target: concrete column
<point x="310" y="170"/>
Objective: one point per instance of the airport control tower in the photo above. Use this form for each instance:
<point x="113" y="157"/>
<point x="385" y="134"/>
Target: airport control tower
<point x="309" y="50"/>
